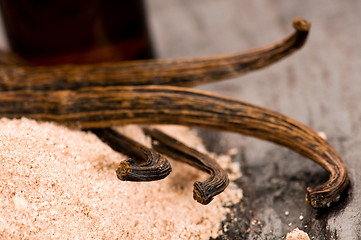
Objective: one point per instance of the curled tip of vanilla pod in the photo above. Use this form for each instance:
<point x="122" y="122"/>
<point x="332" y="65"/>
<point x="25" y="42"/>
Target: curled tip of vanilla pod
<point x="144" y="165"/>
<point x="156" y="168"/>
<point x="301" y="24"/>
<point x="324" y="195"/>
<point x="203" y="192"/>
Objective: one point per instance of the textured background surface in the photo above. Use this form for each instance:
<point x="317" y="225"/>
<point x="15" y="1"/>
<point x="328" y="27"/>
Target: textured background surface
<point x="319" y="86"/>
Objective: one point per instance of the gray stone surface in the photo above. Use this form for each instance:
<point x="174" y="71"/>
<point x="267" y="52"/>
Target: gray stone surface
<point x="319" y="86"/>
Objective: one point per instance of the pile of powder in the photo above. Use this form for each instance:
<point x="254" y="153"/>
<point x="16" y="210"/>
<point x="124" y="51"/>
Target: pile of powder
<point x="297" y="234"/>
<point x="60" y="183"/>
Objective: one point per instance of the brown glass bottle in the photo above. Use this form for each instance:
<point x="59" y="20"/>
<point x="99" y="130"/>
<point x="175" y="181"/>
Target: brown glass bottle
<point x="49" y="32"/>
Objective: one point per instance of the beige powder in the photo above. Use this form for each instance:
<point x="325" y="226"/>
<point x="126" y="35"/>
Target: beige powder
<point x="60" y="183"/>
<point x="297" y="234"/>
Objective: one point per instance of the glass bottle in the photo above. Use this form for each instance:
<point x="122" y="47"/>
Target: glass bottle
<point x="50" y="32"/>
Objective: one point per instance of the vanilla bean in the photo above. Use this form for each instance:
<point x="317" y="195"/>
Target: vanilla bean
<point x="175" y="72"/>
<point x="144" y="165"/>
<point x="108" y="106"/>
<point x="203" y="192"/>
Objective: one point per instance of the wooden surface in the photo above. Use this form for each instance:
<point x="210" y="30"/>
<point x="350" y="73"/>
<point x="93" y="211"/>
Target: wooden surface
<point x="319" y="86"/>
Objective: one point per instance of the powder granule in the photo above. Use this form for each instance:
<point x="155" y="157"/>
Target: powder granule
<point x="297" y="234"/>
<point x="60" y="183"/>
